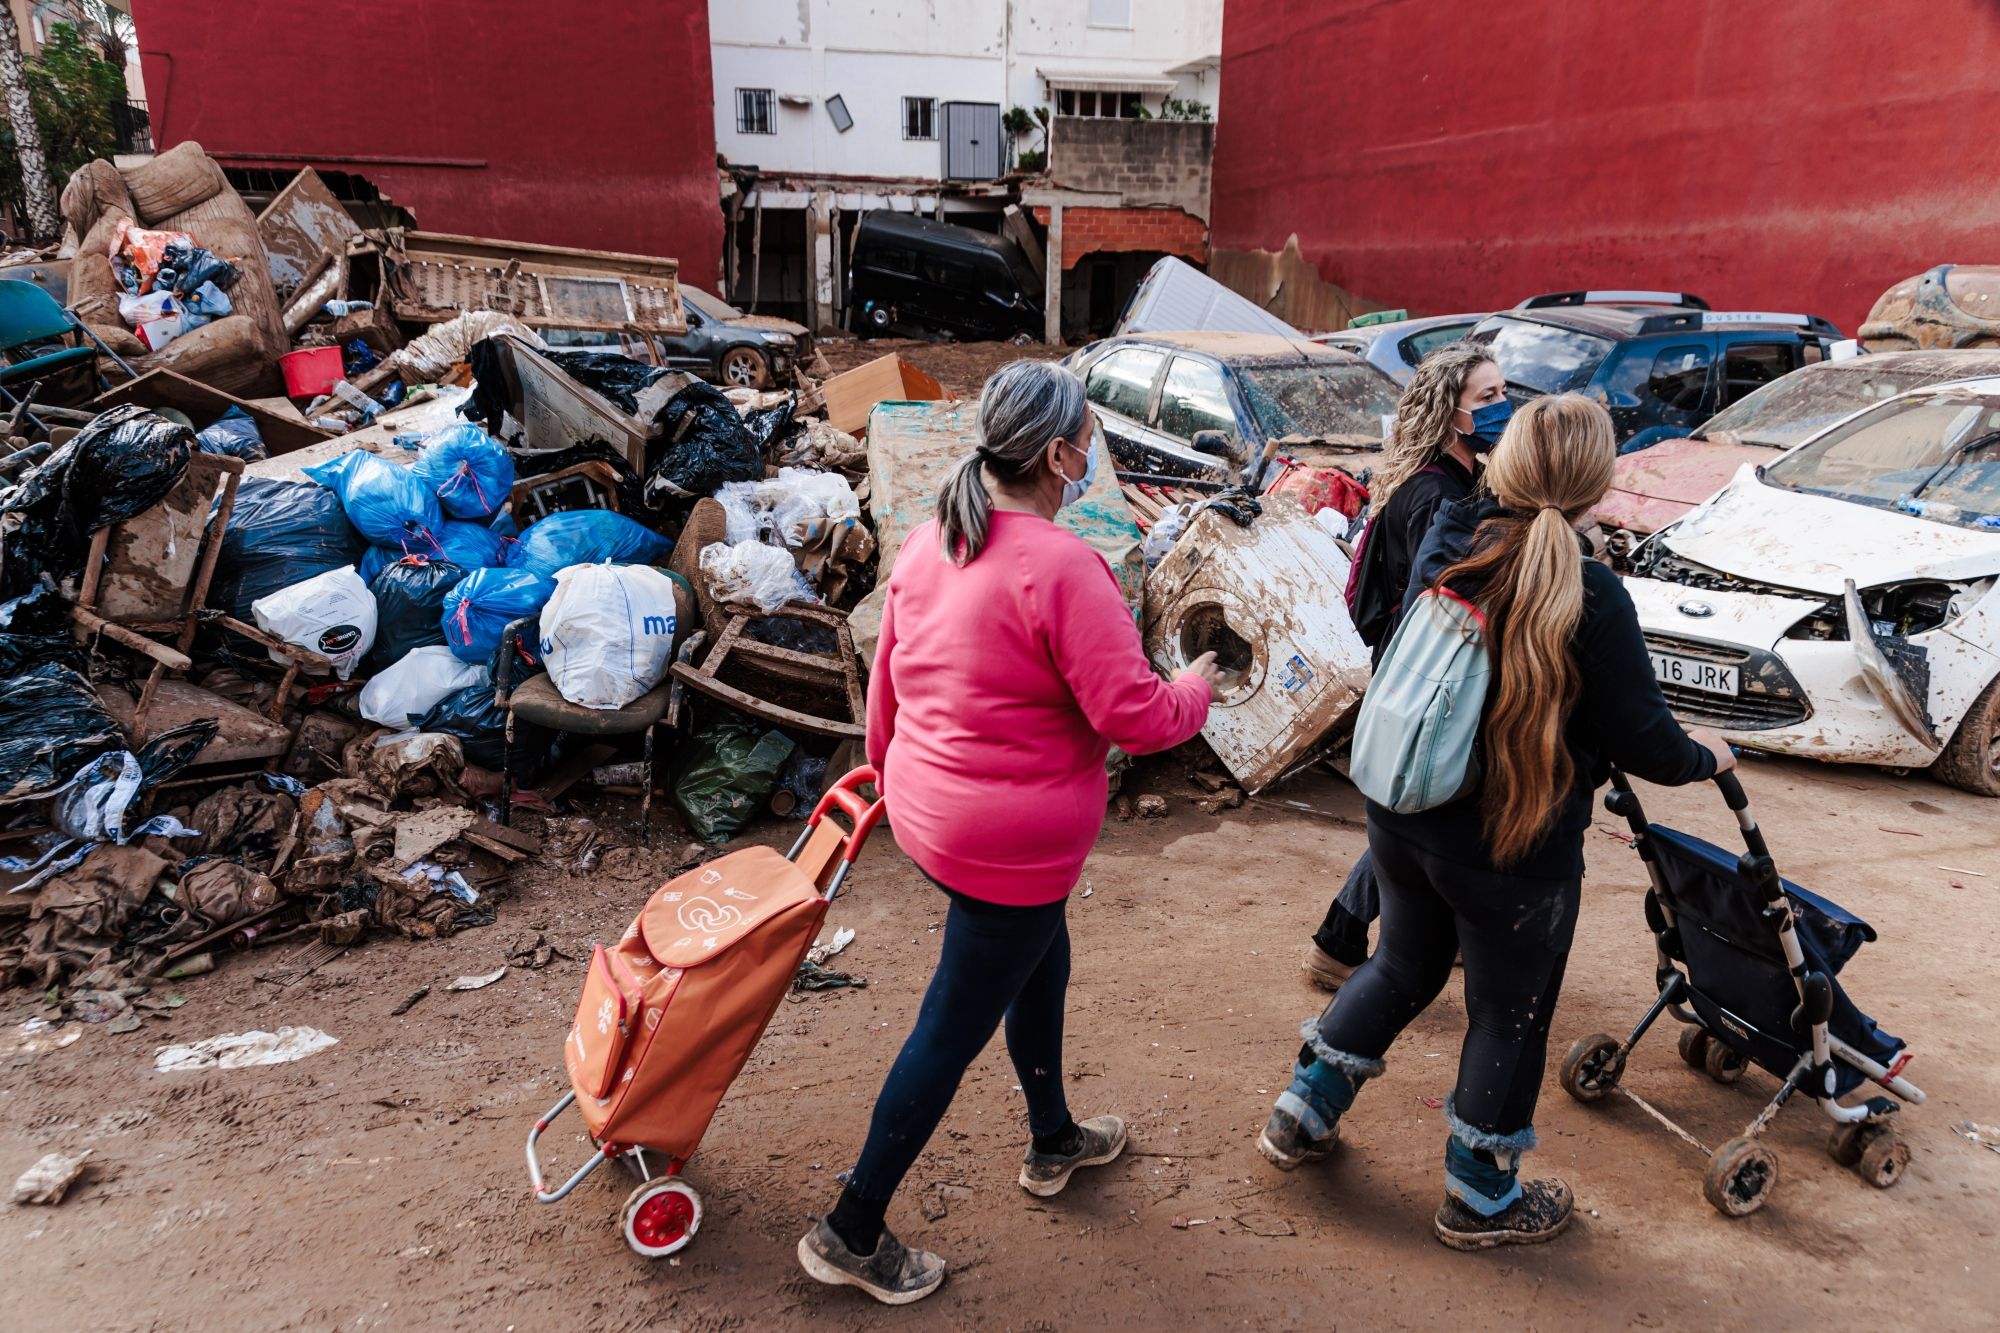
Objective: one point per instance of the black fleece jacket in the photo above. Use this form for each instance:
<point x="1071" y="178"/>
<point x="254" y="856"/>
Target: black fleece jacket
<point x="1620" y="716"/>
<point x="1404" y="523"/>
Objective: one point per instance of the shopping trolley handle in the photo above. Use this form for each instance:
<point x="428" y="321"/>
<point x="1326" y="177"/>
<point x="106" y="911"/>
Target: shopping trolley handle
<point x="846" y="795"/>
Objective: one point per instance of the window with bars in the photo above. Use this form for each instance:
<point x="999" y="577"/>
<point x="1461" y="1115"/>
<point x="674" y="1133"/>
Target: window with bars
<point x="753" y="111"/>
<point x="920" y="117"/>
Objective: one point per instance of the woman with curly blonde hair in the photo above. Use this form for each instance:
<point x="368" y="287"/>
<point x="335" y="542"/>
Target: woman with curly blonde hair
<point x="1452" y="412"/>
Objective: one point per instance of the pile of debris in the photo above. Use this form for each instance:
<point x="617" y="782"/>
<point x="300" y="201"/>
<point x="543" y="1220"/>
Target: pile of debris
<point x="284" y="668"/>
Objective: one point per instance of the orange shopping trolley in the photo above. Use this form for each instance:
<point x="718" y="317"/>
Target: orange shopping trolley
<point x="670" y="1013"/>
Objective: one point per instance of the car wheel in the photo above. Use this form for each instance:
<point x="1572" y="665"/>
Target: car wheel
<point x="1971" y="762"/>
<point x="745" y="368"/>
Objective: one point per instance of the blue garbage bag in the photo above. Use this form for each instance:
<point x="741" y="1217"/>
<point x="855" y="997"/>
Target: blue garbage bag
<point x="374" y="560"/>
<point x="481" y="605"/>
<point x="504" y="524"/>
<point x="472" y="545"/>
<point x="384" y="501"/>
<point x="468" y="470"/>
<point x="587" y="537"/>
<point x="234" y="433"/>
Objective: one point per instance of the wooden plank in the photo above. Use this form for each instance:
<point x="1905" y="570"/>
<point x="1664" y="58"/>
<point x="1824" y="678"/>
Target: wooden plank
<point x="513" y="837"/>
<point x="300" y="224"/>
<point x="513" y="856"/>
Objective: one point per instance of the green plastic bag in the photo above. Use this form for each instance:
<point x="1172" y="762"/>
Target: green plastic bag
<point x="725" y="773"/>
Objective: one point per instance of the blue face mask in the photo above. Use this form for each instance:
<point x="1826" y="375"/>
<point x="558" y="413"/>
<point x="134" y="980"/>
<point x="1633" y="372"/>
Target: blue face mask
<point x="1487" y="424"/>
<point x="1074" y="490"/>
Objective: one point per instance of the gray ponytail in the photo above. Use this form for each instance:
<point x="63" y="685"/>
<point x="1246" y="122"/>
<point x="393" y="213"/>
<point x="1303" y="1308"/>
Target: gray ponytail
<point x="1025" y="406"/>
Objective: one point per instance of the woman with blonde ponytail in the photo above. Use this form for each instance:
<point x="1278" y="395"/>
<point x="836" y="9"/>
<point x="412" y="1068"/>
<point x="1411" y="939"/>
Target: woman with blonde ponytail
<point x="1497" y="874"/>
<point x="1007" y="667"/>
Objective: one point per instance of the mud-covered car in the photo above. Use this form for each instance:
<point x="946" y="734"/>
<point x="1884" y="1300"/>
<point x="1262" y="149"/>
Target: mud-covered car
<point x="722" y="344"/>
<point x="1155" y="392"/>
<point x="1842" y="602"/>
<point x="1950" y="306"/>
<point x="1396" y="348"/>
<point x="1655" y="486"/>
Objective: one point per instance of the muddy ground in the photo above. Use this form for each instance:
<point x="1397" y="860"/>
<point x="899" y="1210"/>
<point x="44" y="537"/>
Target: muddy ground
<point x="381" y="1184"/>
<point x="960" y="367"/>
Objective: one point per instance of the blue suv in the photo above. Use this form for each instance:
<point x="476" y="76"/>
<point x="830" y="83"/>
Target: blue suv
<point x="1661" y="362"/>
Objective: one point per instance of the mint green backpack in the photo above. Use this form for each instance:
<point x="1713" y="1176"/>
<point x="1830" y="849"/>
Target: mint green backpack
<point x="1415" y="742"/>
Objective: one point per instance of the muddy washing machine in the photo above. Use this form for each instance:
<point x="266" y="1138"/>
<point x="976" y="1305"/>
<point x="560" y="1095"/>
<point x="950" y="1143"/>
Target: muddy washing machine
<point x="1267" y="601"/>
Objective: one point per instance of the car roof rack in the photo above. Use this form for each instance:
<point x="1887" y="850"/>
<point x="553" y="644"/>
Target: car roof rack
<point x="1692" y="320"/>
<point x="1547" y="299"/>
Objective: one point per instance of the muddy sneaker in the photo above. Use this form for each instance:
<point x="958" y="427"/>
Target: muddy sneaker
<point x="1324" y="970"/>
<point x="1543" y="1210"/>
<point x="1099" y="1139"/>
<point x="1296" y="1133"/>
<point x="894" y="1275"/>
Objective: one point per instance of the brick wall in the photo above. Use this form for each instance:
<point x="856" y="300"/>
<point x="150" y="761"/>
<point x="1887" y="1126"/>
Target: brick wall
<point x="1149" y="162"/>
<point x="1113" y="230"/>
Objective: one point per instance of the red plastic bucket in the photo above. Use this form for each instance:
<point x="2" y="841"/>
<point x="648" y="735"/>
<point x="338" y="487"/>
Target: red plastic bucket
<point x="310" y="371"/>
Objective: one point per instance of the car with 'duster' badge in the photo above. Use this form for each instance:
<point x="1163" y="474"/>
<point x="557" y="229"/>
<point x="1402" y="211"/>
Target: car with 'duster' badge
<point x="1842" y="602"/>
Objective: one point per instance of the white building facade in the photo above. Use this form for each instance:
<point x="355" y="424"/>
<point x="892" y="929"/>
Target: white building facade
<point x="837" y="88"/>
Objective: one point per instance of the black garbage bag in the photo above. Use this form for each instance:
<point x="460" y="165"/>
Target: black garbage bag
<point x="609" y="374"/>
<point x="409" y="607"/>
<point x="121" y="464"/>
<point x="51" y="725"/>
<point x="280" y="533"/>
<point x="481" y="727"/>
<point x="723" y="776"/>
<point x="35" y="629"/>
<point x="702" y="446"/>
<point x="234" y="433"/>
<point x="772" y="426"/>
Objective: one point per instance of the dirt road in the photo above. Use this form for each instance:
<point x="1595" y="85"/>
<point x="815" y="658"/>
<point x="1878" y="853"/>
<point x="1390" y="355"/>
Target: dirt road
<point x="380" y="1183"/>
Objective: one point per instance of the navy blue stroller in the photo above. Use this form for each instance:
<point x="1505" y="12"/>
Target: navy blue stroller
<point x="1748" y="962"/>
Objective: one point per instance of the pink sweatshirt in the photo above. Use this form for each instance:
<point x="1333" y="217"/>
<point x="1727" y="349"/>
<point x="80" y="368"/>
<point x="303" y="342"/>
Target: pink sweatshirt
<point x="998" y="688"/>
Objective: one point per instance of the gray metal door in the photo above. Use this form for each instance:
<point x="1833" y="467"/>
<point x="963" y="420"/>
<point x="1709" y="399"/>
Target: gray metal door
<point x="971" y="141"/>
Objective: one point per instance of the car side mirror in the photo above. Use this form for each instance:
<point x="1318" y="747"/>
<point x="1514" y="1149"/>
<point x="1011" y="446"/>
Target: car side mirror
<point x="1214" y="443"/>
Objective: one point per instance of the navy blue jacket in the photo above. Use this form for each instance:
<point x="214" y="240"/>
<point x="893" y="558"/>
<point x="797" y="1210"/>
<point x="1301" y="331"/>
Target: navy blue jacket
<point x="1620" y="716"/>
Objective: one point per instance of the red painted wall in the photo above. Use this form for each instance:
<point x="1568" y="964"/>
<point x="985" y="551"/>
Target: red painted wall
<point x="1459" y="155"/>
<point x="581" y="125"/>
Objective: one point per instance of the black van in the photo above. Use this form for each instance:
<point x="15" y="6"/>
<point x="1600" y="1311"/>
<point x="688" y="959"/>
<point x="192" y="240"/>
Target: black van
<point x="914" y="274"/>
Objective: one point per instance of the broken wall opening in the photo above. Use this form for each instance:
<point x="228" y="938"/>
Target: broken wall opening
<point x="365" y="203"/>
<point x="1096" y="290"/>
<point x="767" y="266"/>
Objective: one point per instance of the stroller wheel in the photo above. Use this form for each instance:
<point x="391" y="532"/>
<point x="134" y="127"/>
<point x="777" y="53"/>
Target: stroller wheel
<point x="1847" y="1142"/>
<point x="1694" y="1046"/>
<point x="660" y="1217"/>
<point x="1592" y="1067"/>
<point x="1883" y="1160"/>
<point x="1723" y="1064"/>
<point x="1740" y="1177"/>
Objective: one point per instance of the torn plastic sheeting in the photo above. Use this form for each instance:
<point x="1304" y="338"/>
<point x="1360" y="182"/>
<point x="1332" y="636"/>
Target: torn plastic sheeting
<point x="702" y="446"/>
<point x="913" y="447"/>
<point x="35" y="629"/>
<point x="754" y="574"/>
<point x="725" y="773"/>
<point x="409" y="607"/>
<point x="239" y="1050"/>
<point x="790" y="509"/>
<point x="280" y="532"/>
<point x="121" y="464"/>
<point x="51" y="725"/>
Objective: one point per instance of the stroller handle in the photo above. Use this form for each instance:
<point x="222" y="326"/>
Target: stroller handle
<point x="1732" y="791"/>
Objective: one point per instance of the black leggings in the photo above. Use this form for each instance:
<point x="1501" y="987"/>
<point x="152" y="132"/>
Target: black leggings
<point x="1515" y="933"/>
<point x="995" y="961"/>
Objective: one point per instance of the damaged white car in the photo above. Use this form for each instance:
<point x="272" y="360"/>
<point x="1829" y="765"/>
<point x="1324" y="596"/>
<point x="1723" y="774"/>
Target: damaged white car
<point x="1843" y="601"/>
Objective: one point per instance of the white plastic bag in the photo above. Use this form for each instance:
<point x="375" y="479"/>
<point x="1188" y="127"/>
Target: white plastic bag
<point x="763" y="576"/>
<point x="412" y="687"/>
<point x="332" y="614"/>
<point x="789" y="509"/>
<point x="1167" y="530"/>
<point x="608" y="633"/>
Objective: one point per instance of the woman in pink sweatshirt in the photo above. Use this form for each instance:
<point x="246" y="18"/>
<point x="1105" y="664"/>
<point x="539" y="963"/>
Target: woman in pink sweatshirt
<point x="1007" y="667"/>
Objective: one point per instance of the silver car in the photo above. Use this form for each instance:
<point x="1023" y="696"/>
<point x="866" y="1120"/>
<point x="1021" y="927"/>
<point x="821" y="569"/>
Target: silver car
<point x="1395" y="349"/>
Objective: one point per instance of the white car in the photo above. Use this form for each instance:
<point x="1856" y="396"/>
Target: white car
<point x="1842" y="602"/>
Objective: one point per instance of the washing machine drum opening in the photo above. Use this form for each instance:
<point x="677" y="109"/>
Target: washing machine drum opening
<point x="1205" y="629"/>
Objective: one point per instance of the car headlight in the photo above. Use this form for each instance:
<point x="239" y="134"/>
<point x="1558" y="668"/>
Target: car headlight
<point x="1903" y="609"/>
<point x="777" y="339"/>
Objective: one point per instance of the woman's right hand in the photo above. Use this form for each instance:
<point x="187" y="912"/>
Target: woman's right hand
<point x="1211" y="676"/>
<point x="1725" y="758"/>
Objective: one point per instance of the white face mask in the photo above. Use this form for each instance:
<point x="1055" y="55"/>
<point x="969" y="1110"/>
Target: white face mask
<point x="1075" y="490"/>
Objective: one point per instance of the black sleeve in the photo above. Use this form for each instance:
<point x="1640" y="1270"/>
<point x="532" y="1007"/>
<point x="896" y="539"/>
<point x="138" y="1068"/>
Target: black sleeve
<point x="1621" y="700"/>
<point x="1417" y="532"/>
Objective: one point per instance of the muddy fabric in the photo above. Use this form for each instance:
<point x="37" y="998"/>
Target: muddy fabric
<point x="80" y="918"/>
<point x="221" y="893"/>
<point x="243" y="821"/>
<point x="316" y="753"/>
<point x="427" y="764"/>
